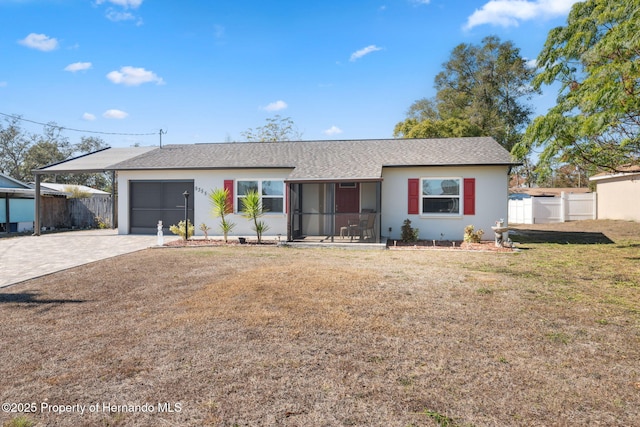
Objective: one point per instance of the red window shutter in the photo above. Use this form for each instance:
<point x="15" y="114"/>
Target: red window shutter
<point x="228" y="185"/>
<point x="414" y="196"/>
<point x="469" y="196"/>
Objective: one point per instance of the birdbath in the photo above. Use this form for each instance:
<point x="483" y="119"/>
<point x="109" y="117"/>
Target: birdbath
<point x="499" y="229"/>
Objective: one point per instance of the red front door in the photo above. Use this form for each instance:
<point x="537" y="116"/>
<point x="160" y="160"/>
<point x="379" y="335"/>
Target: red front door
<point x="347" y="202"/>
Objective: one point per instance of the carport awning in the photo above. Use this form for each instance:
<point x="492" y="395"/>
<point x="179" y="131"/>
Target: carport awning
<point x="98" y="161"/>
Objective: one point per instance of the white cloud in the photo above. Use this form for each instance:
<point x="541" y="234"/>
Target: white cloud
<point x="115" y="16"/>
<point x="133" y="4"/>
<point x="333" y="130"/>
<point x="365" y="51"/>
<point x="509" y="13"/>
<point x="132" y="76"/>
<point x="39" y="41"/>
<point x="78" y="66"/>
<point x="114" y="114"/>
<point x="276" y="106"/>
<point x="3" y="84"/>
<point x="418" y="2"/>
<point x="91" y="117"/>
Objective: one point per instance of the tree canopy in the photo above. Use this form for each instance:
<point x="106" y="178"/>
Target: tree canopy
<point x="21" y="152"/>
<point x="481" y="91"/>
<point x="594" y="59"/>
<point x="277" y="129"/>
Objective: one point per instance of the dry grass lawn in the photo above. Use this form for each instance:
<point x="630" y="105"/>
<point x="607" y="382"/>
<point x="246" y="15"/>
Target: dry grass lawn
<point x="253" y="336"/>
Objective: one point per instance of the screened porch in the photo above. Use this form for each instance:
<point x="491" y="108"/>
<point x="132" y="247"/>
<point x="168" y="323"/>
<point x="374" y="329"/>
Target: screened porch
<point x="334" y="212"/>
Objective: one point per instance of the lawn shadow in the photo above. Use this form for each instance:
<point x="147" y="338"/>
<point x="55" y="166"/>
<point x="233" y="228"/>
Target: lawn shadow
<point x="31" y="298"/>
<point x="560" y="237"/>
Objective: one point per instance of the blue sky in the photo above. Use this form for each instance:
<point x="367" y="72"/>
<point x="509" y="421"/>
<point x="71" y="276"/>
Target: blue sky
<point x="206" y="71"/>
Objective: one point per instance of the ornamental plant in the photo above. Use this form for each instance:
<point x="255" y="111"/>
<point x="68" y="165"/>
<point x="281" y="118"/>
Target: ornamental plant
<point x="205" y="229"/>
<point x="180" y="230"/>
<point x="252" y="210"/>
<point x="471" y="235"/>
<point x="219" y="198"/>
<point x="408" y="233"/>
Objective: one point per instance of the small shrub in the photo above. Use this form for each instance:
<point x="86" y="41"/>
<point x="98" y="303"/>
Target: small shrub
<point x="409" y="234"/>
<point x="205" y="229"/>
<point x="102" y="223"/>
<point x="471" y="235"/>
<point x="180" y="231"/>
<point x="77" y="193"/>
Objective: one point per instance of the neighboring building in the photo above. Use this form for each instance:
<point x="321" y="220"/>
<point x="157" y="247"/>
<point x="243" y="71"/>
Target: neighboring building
<point x="70" y="189"/>
<point x="619" y="194"/>
<point x="16" y="205"/>
<point x="316" y="188"/>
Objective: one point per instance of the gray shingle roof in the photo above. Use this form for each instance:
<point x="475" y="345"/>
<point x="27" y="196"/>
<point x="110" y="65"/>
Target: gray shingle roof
<point x="318" y="160"/>
<point x="324" y="160"/>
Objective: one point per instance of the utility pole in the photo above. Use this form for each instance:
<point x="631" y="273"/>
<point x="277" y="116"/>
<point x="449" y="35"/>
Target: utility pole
<point x="162" y="133"/>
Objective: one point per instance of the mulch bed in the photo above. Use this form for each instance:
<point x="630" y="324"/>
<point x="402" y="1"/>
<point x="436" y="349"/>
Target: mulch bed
<point x="484" y="246"/>
<point x="452" y="245"/>
<point x="216" y="242"/>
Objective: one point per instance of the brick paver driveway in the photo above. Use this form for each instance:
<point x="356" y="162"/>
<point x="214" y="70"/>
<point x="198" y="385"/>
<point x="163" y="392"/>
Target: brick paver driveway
<point x="27" y="257"/>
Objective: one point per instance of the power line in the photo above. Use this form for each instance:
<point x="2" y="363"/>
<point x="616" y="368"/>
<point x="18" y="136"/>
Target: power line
<point x="75" y="130"/>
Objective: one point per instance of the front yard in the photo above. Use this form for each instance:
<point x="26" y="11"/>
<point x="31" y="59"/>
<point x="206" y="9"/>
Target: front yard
<point x="249" y="335"/>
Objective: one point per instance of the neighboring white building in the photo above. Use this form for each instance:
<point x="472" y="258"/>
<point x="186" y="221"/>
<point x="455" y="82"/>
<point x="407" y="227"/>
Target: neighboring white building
<point x="71" y="188"/>
<point x="619" y="194"/>
<point x="317" y="188"/>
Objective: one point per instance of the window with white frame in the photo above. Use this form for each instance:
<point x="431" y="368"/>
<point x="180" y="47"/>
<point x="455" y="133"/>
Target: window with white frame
<point x="441" y="196"/>
<point x="271" y="194"/>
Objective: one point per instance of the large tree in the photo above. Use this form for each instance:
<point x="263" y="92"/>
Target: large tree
<point x="482" y="90"/>
<point x="21" y="152"/>
<point x="14" y="145"/>
<point x="49" y="147"/>
<point x="595" y="60"/>
<point x="277" y="129"/>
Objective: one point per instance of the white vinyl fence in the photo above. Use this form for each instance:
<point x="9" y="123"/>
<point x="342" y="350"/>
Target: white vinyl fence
<point x="541" y="210"/>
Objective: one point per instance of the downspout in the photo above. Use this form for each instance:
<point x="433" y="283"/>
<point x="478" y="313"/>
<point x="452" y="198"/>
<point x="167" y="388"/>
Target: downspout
<point x="379" y="209"/>
<point x="332" y="203"/>
<point x="113" y="200"/>
<point x="36" y="231"/>
<point x="289" y="210"/>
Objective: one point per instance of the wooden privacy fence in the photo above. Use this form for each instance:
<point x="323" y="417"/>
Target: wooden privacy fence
<point x="60" y="212"/>
<point x="542" y="210"/>
<point x="86" y="212"/>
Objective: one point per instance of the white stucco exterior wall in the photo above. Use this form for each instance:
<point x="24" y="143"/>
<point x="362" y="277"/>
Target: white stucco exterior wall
<point x="491" y="202"/>
<point x="204" y="182"/>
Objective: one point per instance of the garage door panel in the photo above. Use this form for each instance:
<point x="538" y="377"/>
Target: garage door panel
<point x="144" y="195"/>
<point x="153" y="201"/>
<point x="173" y="193"/>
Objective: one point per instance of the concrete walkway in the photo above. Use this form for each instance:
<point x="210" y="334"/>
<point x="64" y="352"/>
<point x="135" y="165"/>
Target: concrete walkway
<point x="27" y="257"/>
